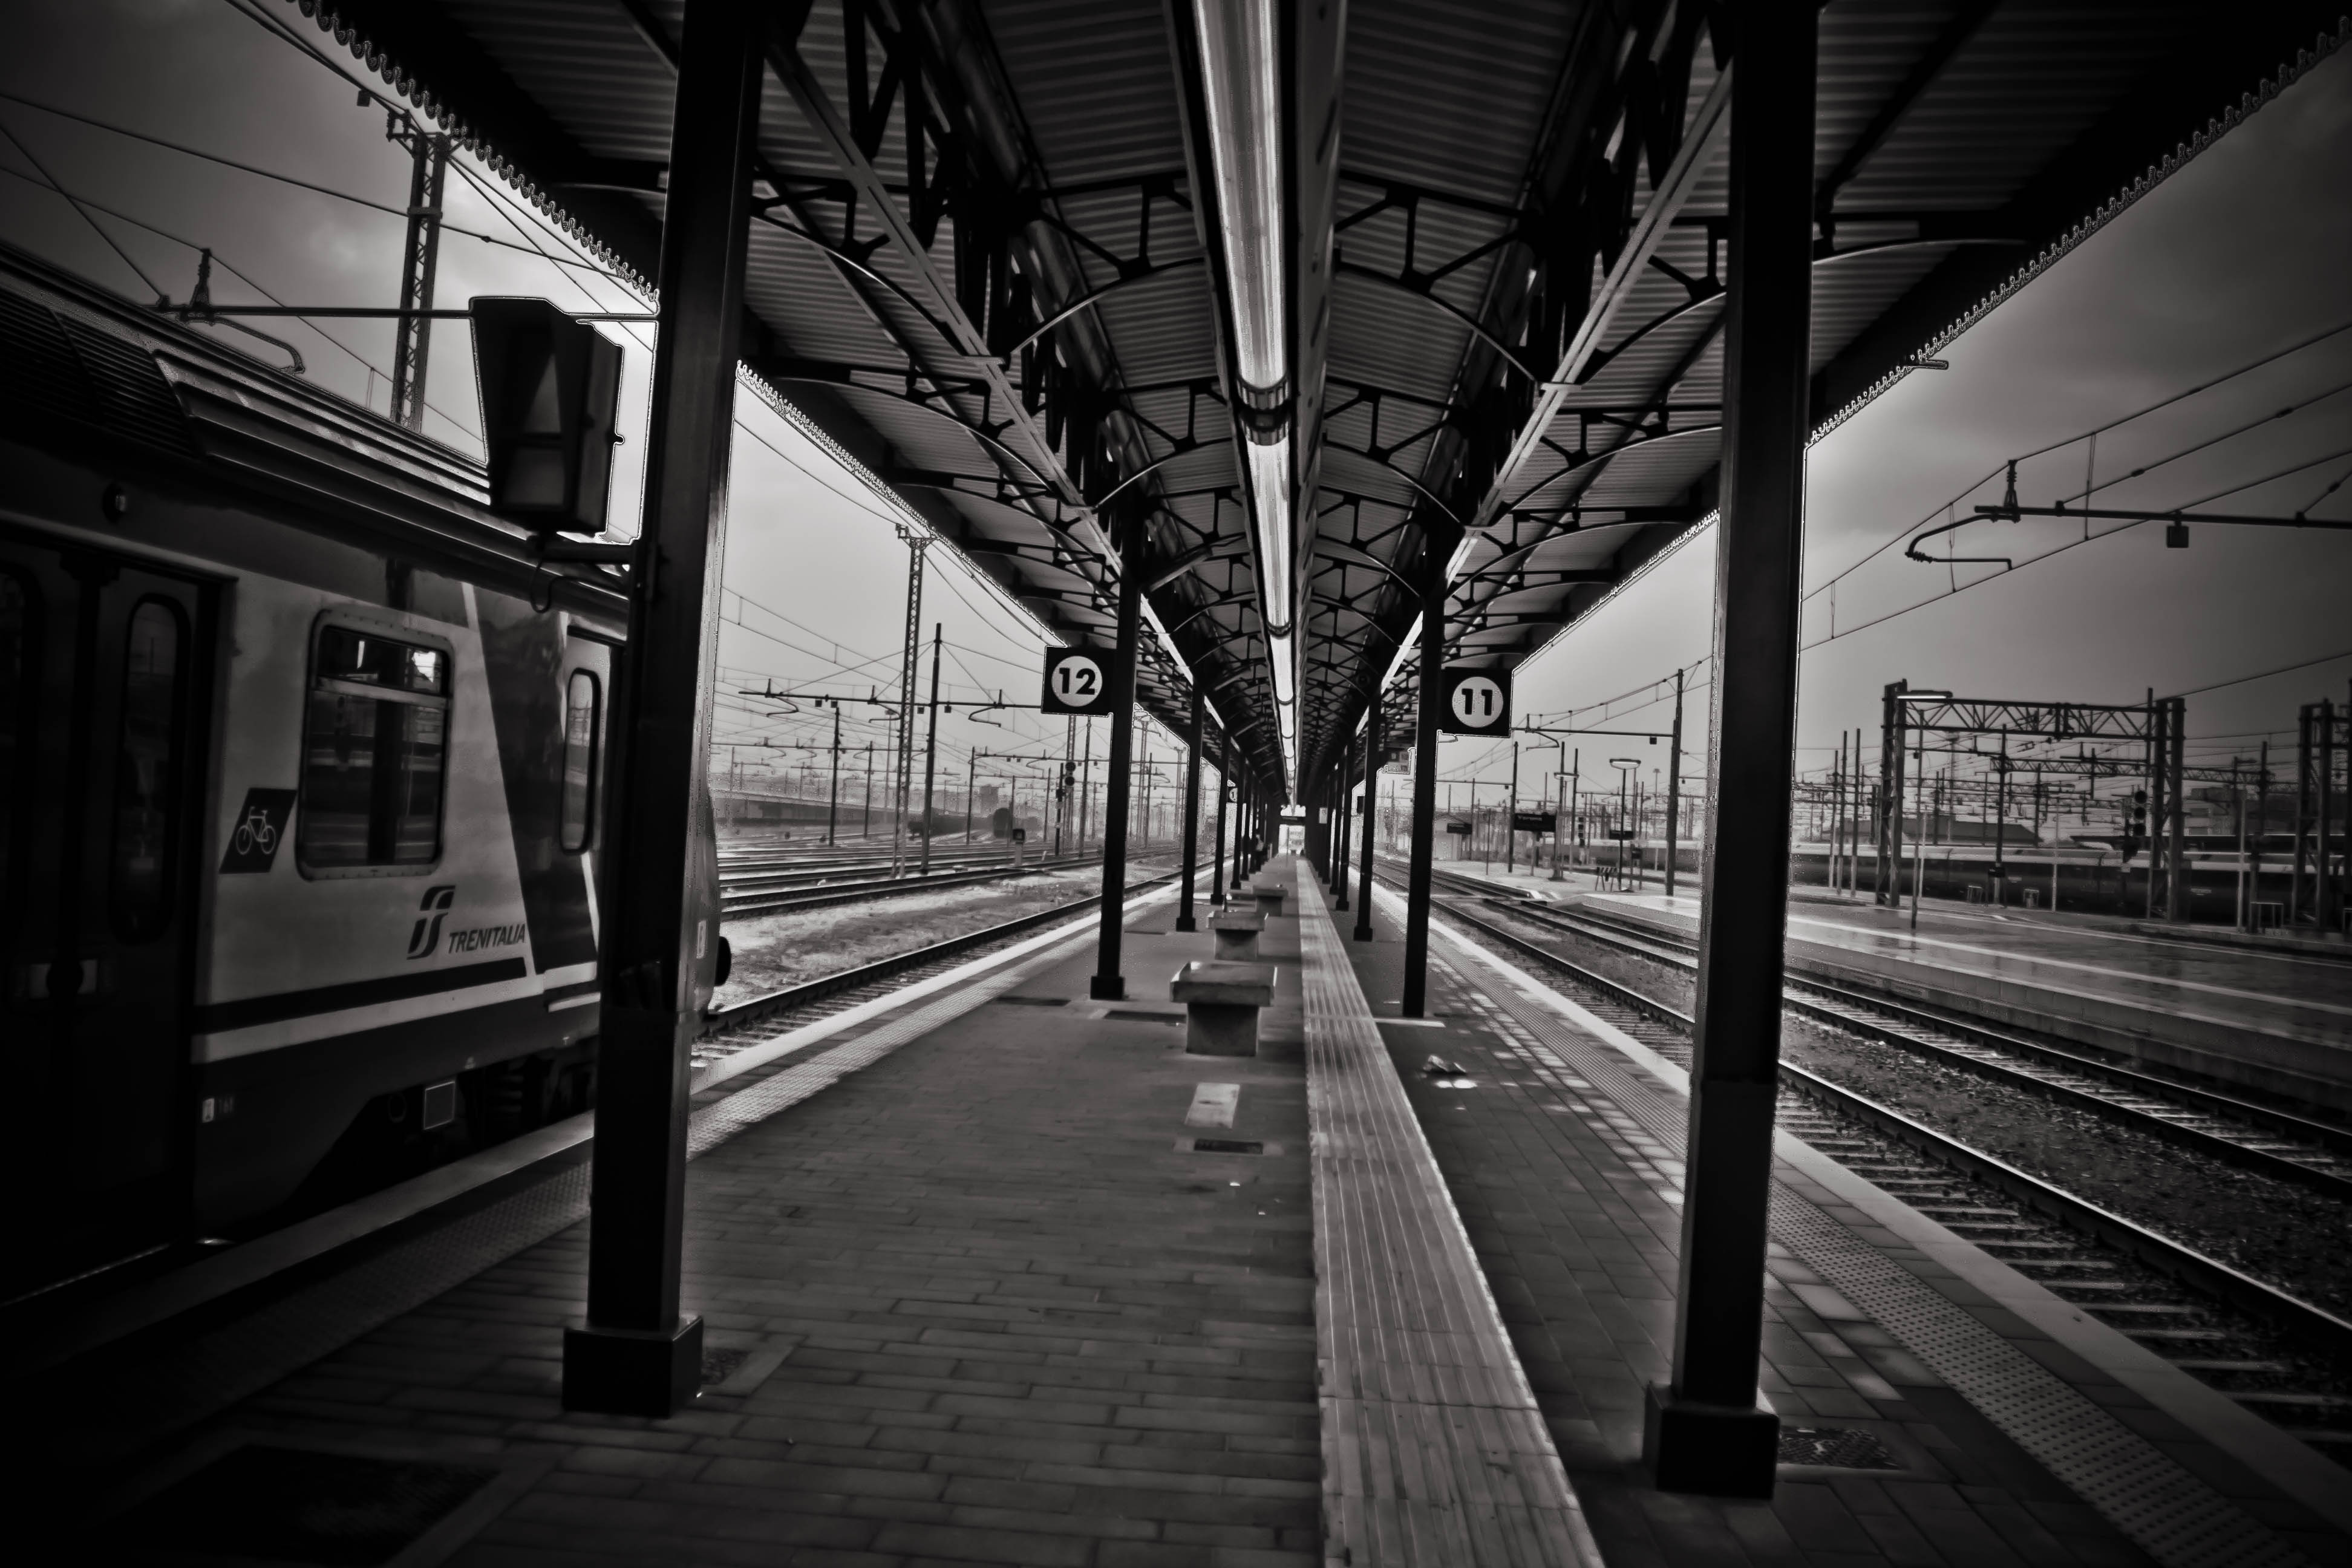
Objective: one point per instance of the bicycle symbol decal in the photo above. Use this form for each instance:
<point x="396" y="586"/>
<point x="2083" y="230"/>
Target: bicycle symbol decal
<point x="261" y="826"/>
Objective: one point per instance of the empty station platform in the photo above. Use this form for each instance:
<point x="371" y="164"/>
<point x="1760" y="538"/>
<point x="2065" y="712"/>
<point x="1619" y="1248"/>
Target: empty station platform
<point x="991" y="1272"/>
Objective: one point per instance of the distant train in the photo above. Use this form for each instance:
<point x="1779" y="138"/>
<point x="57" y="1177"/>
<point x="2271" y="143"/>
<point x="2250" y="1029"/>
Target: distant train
<point x="301" y="780"/>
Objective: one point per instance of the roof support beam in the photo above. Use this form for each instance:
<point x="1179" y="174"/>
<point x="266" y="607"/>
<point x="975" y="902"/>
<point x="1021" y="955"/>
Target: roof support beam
<point x="936" y="293"/>
<point x="1690" y="163"/>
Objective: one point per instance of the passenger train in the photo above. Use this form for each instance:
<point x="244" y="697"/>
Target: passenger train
<point x="303" y="762"/>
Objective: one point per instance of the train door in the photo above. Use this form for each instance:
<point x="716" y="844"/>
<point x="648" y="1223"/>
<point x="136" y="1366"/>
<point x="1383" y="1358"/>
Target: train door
<point x="104" y="678"/>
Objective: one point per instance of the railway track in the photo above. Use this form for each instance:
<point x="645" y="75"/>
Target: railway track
<point x="745" y="892"/>
<point x="723" y="1027"/>
<point x="2279" y="1355"/>
<point x="2278" y="1143"/>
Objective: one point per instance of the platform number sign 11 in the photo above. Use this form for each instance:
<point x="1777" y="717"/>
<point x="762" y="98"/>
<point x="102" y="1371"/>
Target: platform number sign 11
<point x="1478" y="702"/>
<point x="1076" y="682"/>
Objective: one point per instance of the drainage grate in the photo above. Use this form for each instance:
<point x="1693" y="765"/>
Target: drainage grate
<point x="295" y="1505"/>
<point x="1845" y="1449"/>
<point x="720" y="1363"/>
<point x="1034" y="1001"/>
<point x="1130" y="1015"/>
<point x="1227" y="1146"/>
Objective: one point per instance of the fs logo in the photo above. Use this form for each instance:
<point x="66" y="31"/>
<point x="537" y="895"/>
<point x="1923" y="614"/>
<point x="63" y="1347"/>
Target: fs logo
<point x="427" y="937"/>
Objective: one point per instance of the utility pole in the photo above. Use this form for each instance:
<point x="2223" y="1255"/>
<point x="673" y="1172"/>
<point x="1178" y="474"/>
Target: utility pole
<point x="2000" y="828"/>
<point x="1674" y="785"/>
<point x="2261" y="822"/>
<point x="833" y="804"/>
<point x="1511" y="818"/>
<point x="865" y="822"/>
<point x="1069" y="778"/>
<point x="1919" y="841"/>
<point x="1085" y="786"/>
<point x="931" y="744"/>
<point x="971" y="778"/>
<point x="1558" y="794"/>
<point x="2176" y="881"/>
<point x="910" y="649"/>
<point x="412" y="340"/>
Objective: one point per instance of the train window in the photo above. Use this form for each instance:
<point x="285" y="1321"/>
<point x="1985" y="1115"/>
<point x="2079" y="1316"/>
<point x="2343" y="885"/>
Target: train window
<point x="19" y="613"/>
<point x="581" y="701"/>
<point x="146" y="771"/>
<point x="374" y="750"/>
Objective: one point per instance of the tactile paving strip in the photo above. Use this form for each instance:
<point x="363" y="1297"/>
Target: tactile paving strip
<point x="2170" y="1513"/>
<point x="1434" y="1449"/>
<point x="2173" y="1516"/>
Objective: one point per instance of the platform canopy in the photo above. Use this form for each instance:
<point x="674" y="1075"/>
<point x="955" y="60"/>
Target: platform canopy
<point x="1295" y="288"/>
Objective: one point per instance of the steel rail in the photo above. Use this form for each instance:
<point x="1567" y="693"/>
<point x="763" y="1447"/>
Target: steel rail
<point x="2336" y="1140"/>
<point x="2307" y="1321"/>
<point x="738" y="1015"/>
<point x="881" y="888"/>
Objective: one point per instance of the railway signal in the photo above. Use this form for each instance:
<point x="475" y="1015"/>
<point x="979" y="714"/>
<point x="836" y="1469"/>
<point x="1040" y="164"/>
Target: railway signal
<point x="550" y="388"/>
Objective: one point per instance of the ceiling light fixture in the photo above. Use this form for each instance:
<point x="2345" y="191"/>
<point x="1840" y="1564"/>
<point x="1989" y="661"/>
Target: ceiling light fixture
<point x="1241" y="61"/>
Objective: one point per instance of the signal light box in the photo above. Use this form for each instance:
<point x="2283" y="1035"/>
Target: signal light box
<point x="1476" y="702"/>
<point x="551" y="391"/>
<point x="1076" y="682"/>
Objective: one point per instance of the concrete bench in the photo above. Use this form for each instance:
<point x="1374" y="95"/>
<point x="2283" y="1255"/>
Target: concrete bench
<point x="1269" y="900"/>
<point x="1220" y="1006"/>
<point x="1237" y="931"/>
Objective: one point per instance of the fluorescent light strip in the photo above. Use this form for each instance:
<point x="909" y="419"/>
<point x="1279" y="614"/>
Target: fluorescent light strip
<point x="1269" y="466"/>
<point x="1239" y="66"/>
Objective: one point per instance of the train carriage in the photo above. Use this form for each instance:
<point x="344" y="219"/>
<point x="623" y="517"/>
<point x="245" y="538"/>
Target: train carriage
<point x="302" y="768"/>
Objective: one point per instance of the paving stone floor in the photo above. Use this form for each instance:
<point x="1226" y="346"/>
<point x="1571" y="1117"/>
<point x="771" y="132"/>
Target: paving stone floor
<point x="1016" y="1324"/>
<point x="1579" y="1246"/>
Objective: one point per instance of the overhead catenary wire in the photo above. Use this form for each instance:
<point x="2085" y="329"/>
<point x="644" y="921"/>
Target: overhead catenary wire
<point x="247" y="278"/>
<point x="2115" y="424"/>
<point x="97" y="228"/>
<point x="398" y="211"/>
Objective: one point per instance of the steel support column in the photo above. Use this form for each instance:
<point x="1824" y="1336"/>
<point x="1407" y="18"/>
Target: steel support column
<point x="1363" y="931"/>
<point x="635" y="1355"/>
<point x="1436" y="549"/>
<point x="1225" y="787"/>
<point x="1342" y="788"/>
<point x="1109" y="984"/>
<point x="1705" y="1432"/>
<point x="1184" y="920"/>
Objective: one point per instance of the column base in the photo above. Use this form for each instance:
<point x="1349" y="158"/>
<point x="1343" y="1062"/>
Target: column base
<point x="1108" y="988"/>
<point x="631" y="1371"/>
<point x="1184" y="922"/>
<point x="1362" y="933"/>
<point x="1713" y="1450"/>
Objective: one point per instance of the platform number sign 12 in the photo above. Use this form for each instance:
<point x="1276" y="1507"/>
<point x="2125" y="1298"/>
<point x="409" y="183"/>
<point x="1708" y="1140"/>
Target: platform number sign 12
<point x="1076" y="682"/>
<point x="1478" y="702"/>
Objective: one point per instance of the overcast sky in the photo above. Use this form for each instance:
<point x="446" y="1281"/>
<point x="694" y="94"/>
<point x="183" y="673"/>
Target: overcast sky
<point x="2245" y="252"/>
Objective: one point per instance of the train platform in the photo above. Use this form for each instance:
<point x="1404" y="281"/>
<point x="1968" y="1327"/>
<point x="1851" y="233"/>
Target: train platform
<point x="2279" y="1021"/>
<point x="994" y="1273"/>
